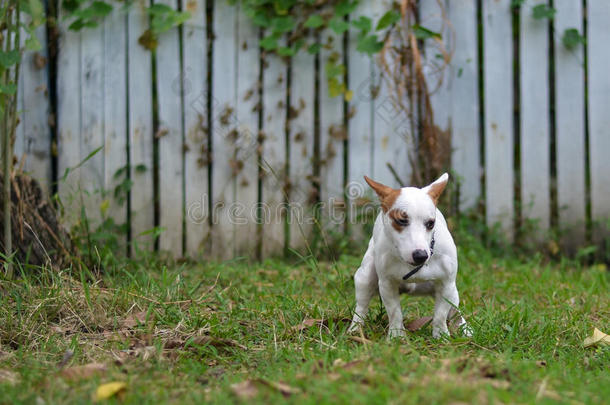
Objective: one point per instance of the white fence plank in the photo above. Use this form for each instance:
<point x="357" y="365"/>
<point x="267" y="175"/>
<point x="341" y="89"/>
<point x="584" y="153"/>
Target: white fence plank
<point x="301" y="148"/>
<point x="92" y="126"/>
<point x="393" y="135"/>
<point x="535" y="115"/>
<point x="35" y="111"/>
<point x="140" y="130"/>
<point x="246" y="159"/>
<point x="598" y="38"/>
<point x="196" y="132"/>
<point x="171" y="133"/>
<point x="274" y="154"/>
<point x="115" y="114"/>
<point x="499" y="191"/>
<point x="465" y="106"/>
<point x="570" y="123"/>
<point x="332" y="133"/>
<point x="69" y="120"/>
<point x="224" y="127"/>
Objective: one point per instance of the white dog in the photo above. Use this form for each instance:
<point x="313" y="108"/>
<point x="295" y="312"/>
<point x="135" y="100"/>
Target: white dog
<point x="411" y="251"/>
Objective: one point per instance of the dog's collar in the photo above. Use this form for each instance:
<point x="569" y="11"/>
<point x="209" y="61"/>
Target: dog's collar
<point x="418" y="268"/>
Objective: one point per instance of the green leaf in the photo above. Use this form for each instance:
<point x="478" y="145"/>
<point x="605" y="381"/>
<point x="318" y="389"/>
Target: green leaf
<point x="141" y="168"/>
<point x="159" y="9"/>
<point x="421" y="32"/>
<point x="314" y="21"/>
<point x="10" y="58"/>
<point x="543" y="11"/>
<point x="9" y="88"/>
<point x="333" y="70"/>
<point x="369" y="44"/>
<point x="345" y="7"/>
<point x="285" y="51"/>
<point x="282" y="24"/>
<point x="97" y="9"/>
<point x="269" y="43"/>
<point x="388" y="19"/>
<point x="314" y="49"/>
<point x="517" y="3"/>
<point x="363" y="23"/>
<point x="335" y="87"/>
<point x="260" y="19"/>
<point x="572" y="38"/>
<point x="338" y="25"/>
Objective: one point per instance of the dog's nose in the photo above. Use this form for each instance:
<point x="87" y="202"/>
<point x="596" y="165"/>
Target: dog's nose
<point x="419" y="256"/>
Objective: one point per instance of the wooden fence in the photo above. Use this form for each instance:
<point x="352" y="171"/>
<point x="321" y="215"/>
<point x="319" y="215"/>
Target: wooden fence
<point x="211" y="138"/>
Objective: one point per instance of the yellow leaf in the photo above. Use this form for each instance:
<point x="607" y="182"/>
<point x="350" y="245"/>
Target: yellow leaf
<point x="108" y="390"/>
<point x="104" y="206"/>
<point x="348" y="95"/>
<point x="598" y="338"/>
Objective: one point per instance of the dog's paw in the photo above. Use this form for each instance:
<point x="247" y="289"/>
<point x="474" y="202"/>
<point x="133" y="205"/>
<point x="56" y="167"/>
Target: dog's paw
<point x="355" y="327"/>
<point x="397" y="333"/>
<point x="439" y="332"/>
<point x="466" y="330"/>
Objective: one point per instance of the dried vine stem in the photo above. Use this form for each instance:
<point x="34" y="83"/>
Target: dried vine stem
<point x="412" y="78"/>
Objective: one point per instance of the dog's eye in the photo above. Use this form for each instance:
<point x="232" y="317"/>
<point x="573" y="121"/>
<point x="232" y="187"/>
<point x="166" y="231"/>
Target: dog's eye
<point x="430" y="224"/>
<point x="402" y="221"/>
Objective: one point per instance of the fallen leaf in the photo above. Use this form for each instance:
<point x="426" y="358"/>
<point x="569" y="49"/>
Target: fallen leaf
<point x="82" y="372"/>
<point x="7" y="376"/>
<point x="245" y="390"/>
<point x="108" y="390"/>
<point x="598" y="338"/>
<point x="282" y="387"/>
<point x="309" y="322"/>
<point x="419" y="323"/>
<point x="134" y="319"/>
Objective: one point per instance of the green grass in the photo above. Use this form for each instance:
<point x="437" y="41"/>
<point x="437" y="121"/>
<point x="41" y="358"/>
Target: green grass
<point x="204" y="327"/>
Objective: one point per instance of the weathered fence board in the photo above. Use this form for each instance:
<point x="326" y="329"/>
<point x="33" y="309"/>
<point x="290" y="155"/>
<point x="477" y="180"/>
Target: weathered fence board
<point x="570" y="124"/>
<point x="535" y="117"/>
<point x="499" y="135"/>
<point x="35" y="107"/>
<point x="301" y="147"/>
<point x="274" y="153"/>
<point x="69" y="121"/>
<point x="598" y="38"/>
<point x="140" y="119"/>
<point x="196" y="129"/>
<point x="465" y="105"/>
<point x="246" y="162"/>
<point x="115" y="116"/>
<point x="224" y="127"/>
<point x="171" y="140"/>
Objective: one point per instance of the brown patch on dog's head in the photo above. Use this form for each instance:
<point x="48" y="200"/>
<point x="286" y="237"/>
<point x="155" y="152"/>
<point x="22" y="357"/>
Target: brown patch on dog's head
<point x="387" y="195"/>
<point x="398" y="216"/>
<point x="436" y="189"/>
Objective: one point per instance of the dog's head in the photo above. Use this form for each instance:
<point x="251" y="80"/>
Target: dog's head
<point x="409" y="217"/>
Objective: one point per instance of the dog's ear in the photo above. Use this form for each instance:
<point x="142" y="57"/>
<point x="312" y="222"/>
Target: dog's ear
<point x="387" y="195"/>
<point x="435" y="189"/>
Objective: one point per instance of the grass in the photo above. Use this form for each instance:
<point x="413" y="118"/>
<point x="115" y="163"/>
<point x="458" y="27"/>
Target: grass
<point x="275" y="332"/>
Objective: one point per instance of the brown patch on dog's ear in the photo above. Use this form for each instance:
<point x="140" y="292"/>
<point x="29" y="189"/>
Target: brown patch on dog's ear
<point x="387" y="195"/>
<point x="435" y="189"/>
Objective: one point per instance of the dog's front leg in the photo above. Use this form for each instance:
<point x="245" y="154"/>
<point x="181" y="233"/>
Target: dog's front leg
<point x="391" y="300"/>
<point x="446" y="297"/>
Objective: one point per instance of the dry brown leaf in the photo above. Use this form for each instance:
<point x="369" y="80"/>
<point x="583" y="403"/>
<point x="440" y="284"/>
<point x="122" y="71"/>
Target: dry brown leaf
<point x="598" y="338"/>
<point x="282" y="387"/>
<point x="309" y="322"/>
<point x="419" y="323"/>
<point x="10" y="377"/>
<point x="134" y="319"/>
<point x="84" y="371"/>
<point x="246" y="389"/>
